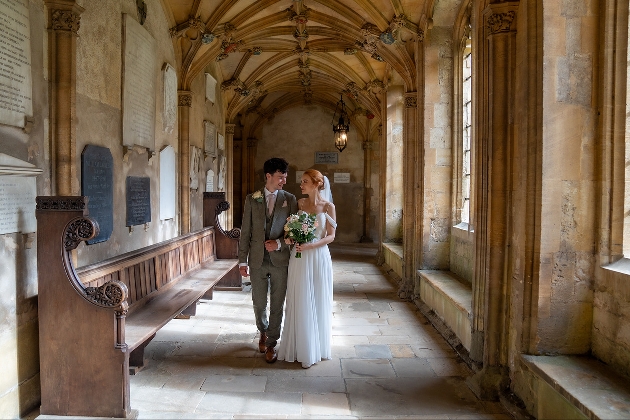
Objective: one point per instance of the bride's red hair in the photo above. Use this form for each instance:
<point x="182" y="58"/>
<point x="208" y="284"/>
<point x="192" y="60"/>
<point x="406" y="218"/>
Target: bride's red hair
<point x="316" y="177"/>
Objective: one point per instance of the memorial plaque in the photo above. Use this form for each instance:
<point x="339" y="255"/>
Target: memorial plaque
<point x="138" y="200"/>
<point x="97" y="183"/>
<point x="211" y="88"/>
<point x="342" y="178"/>
<point x="17" y="204"/>
<point x="139" y="72"/>
<point x="15" y="63"/>
<point x="221" y="142"/>
<point x="170" y="98"/>
<point x="327" y="157"/>
<point x="210" y="181"/>
<point x="298" y="176"/>
<point x="167" y="183"/>
<point x="210" y="135"/>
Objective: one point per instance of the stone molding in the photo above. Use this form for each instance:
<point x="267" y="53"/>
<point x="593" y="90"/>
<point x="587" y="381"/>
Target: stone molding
<point x="411" y="100"/>
<point x="229" y="128"/>
<point x="184" y="98"/>
<point x="500" y="22"/>
<point x="66" y="21"/>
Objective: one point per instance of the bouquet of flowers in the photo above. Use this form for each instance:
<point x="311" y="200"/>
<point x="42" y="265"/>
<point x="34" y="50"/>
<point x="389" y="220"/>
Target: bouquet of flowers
<point x="301" y="228"/>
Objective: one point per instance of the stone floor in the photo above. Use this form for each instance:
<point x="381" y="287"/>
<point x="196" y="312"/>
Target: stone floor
<point x="388" y="361"/>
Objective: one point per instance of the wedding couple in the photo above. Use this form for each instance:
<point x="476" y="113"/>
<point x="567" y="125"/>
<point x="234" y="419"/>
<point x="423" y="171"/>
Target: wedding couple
<point x="269" y="259"/>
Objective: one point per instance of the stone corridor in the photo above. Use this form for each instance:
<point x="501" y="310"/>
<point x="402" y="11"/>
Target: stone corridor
<point x="389" y="362"/>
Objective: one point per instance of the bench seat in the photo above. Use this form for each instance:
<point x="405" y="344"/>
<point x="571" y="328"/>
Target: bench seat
<point x="140" y="326"/>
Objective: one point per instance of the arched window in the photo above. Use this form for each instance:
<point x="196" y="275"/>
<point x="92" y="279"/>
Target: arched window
<point x="466" y="127"/>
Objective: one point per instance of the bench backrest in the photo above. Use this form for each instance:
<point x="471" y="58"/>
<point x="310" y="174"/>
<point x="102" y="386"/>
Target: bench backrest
<point x="152" y="268"/>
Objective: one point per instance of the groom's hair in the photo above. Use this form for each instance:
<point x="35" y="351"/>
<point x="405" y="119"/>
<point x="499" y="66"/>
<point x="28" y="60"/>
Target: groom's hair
<point x="274" y="165"/>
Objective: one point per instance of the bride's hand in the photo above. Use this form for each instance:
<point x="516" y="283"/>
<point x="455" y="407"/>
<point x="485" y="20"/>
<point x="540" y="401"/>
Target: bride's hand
<point x="302" y="247"/>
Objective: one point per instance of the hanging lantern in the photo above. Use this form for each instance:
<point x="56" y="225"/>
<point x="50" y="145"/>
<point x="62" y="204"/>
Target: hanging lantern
<point x="342" y="127"/>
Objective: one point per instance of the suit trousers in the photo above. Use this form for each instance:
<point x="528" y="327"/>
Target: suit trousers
<point x="272" y="279"/>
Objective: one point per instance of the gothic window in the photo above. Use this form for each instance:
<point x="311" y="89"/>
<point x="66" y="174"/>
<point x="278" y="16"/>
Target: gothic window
<point x="466" y="127"/>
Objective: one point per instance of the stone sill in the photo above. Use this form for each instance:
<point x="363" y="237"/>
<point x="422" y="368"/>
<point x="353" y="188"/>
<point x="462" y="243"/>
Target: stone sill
<point x="451" y="299"/>
<point x="591" y="386"/>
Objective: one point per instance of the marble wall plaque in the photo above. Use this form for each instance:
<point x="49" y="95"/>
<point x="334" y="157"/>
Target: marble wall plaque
<point x="139" y="73"/>
<point x="195" y="166"/>
<point x="15" y="63"/>
<point x="170" y="98"/>
<point x="326" y="157"/>
<point x="97" y="183"/>
<point x="167" y="183"/>
<point x="342" y="178"/>
<point x="221" y="141"/>
<point x="298" y="176"/>
<point x="138" y="200"/>
<point x="210" y="181"/>
<point x="211" y="88"/>
<point x="210" y="138"/>
<point x="17" y="204"/>
<point x="222" y="174"/>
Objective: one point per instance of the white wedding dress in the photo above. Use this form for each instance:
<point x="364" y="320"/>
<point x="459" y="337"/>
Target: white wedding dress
<point x="307" y="331"/>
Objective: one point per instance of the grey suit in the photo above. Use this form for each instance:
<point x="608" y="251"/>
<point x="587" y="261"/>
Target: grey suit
<point x="267" y="270"/>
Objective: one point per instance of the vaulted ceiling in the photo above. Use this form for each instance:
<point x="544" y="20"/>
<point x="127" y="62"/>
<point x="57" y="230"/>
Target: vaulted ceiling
<point x="275" y="54"/>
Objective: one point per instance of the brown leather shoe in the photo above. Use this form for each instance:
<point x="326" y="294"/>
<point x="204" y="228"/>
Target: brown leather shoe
<point x="271" y="355"/>
<point x="261" y="343"/>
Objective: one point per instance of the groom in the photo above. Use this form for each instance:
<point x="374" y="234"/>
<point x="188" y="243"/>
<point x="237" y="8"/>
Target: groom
<point x="263" y="254"/>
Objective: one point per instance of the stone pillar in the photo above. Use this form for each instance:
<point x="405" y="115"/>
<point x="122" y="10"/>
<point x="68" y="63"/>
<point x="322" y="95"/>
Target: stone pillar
<point x="410" y="161"/>
<point x="185" y="102"/>
<point x="250" y="163"/>
<point x="419" y="155"/>
<point x="367" y="188"/>
<point x="382" y="181"/>
<point x="64" y="21"/>
<point x="229" y="176"/>
<point x="492" y="224"/>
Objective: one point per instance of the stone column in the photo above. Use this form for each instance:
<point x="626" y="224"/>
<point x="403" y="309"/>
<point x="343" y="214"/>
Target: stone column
<point x="229" y="176"/>
<point x="493" y="180"/>
<point x="185" y="102"/>
<point x="382" y="181"/>
<point x="410" y="161"/>
<point x="250" y="181"/>
<point x="367" y="188"/>
<point x="64" y="21"/>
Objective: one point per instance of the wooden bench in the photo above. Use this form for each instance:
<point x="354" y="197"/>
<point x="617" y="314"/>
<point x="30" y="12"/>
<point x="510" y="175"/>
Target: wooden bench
<point x="94" y="322"/>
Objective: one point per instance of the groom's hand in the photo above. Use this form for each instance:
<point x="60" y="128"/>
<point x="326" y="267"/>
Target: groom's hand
<point x="271" y="245"/>
<point x="244" y="270"/>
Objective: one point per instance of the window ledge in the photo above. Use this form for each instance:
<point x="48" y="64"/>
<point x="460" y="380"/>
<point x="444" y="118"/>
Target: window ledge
<point x="622" y="266"/>
<point x="464" y="226"/>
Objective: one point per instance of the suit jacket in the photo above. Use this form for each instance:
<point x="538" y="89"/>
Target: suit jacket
<point x="251" y="249"/>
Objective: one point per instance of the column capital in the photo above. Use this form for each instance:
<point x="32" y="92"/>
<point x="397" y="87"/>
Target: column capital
<point x="500" y="17"/>
<point x="65" y="15"/>
<point x="184" y="98"/>
<point x="229" y="128"/>
<point x="411" y="99"/>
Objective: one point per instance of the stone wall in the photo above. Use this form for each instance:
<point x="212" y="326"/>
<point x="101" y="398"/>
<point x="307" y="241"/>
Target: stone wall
<point x="394" y="172"/>
<point x="298" y="142"/>
<point x="19" y="357"/>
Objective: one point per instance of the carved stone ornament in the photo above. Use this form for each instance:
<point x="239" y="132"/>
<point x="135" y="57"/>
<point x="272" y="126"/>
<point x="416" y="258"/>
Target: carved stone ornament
<point x="66" y="20"/>
<point x="411" y="102"/>
<point x="420" y="34"/>
<point x="185" y="99"/>
<point x="229" y="129"/>
<point x="110" y="295"/>
<point x="61" y="203"/>
<point x="500" y="22"/>
<point x="78" y="230"/>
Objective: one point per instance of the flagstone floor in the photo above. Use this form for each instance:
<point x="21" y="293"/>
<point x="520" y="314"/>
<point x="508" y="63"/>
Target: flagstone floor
<point x="388" y="361"/>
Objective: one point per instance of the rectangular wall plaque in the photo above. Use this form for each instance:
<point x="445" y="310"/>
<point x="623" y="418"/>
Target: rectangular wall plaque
<point x="17" y="204"/>
<point x="327" y="157"/>
<point x="139" y="73"/>
<point x="97" y="183"/>
<point x="15" y="63"/>
<point x="210" y="139"/>
<point x="298" y="176"/>
<point x="138" y="200"/>
<point x="342" y="178"/>
<point x="168" y="189"/>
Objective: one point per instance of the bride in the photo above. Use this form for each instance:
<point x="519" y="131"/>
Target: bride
<point x="307" y="331"/>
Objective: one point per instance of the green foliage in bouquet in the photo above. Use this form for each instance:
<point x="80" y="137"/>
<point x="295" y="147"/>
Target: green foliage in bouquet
<point x="301" y="228"/>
